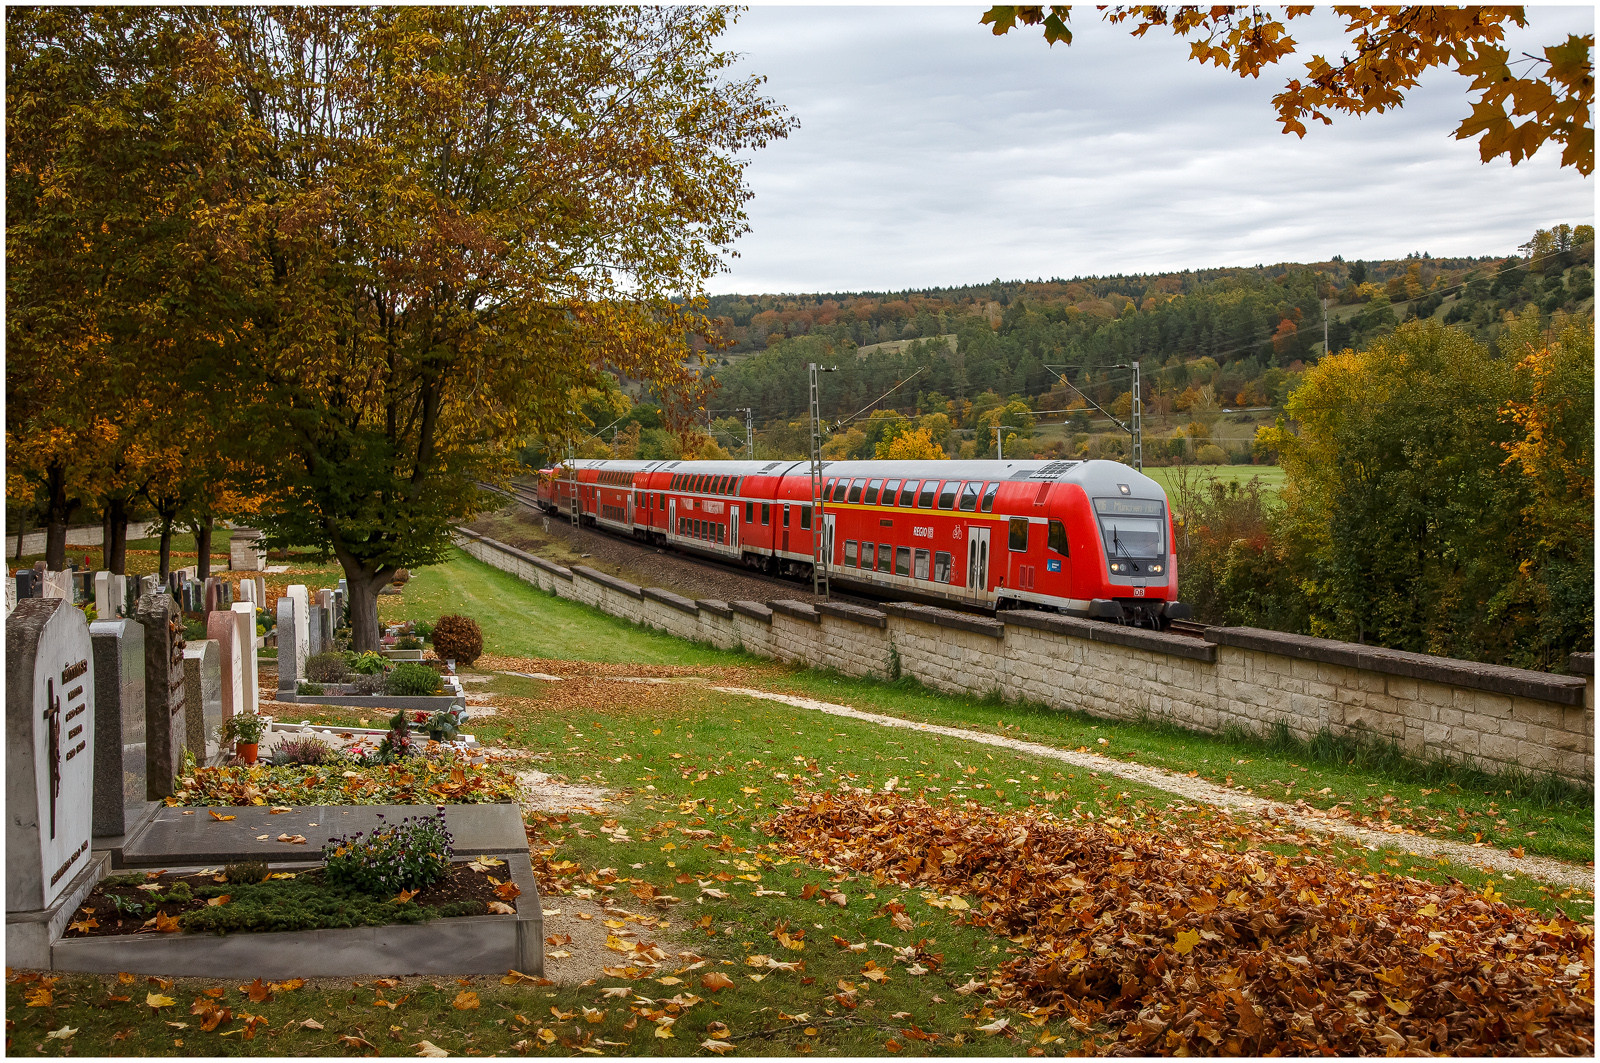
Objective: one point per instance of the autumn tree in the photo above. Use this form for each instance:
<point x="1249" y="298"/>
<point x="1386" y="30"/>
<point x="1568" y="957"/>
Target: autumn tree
<point x="457" y="217"/>
<point x="1389" y="50"/>
<point x="913" y="444"/>
<point x="117" y="143"/>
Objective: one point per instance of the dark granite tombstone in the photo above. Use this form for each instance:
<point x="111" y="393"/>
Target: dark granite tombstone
<point x="27" y="585"/>
<point x="166" y="726"/>
<point x="121" y="799"/>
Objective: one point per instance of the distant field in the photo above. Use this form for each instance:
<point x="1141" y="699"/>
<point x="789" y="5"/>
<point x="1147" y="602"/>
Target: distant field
<point x="1271" y="476"/>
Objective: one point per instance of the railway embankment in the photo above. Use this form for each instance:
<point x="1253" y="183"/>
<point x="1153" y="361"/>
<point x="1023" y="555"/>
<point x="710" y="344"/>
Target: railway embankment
<point x="1499" y="718"/>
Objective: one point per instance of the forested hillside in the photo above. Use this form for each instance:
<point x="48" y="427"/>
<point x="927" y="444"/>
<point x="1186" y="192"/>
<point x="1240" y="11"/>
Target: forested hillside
<point x="1209" y="341"/>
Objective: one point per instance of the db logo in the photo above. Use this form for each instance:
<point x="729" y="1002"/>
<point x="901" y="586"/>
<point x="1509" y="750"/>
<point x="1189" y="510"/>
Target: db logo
<point x="1138" y="592"/>
<point x="955" y="533"/>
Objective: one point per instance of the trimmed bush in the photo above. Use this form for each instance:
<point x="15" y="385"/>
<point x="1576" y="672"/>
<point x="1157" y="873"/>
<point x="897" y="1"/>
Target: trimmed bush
<point x="327" y="668"/>
<point x="411" y="680"/>
<point x="457" y="638"/>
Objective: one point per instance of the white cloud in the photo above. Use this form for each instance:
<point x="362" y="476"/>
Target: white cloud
<point x="933" y="153"/>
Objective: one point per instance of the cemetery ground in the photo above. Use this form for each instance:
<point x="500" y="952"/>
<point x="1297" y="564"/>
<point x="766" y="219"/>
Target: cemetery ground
<point x="784" y="936"/>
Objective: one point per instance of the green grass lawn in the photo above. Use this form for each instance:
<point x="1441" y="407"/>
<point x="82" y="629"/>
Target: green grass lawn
<point x="1271" y="476"/>
<point x="683" y="759"/>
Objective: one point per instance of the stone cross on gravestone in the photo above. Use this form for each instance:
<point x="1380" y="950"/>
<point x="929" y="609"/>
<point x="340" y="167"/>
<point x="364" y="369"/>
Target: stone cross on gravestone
<point x="49" y="751"/>
<point x="165" y="723"/>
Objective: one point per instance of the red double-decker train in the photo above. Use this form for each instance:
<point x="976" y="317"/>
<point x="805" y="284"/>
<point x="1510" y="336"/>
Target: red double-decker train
<point x="1087" y="538"/>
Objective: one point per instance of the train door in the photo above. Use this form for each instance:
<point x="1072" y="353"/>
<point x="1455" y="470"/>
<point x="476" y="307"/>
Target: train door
<point x="786" y="529"/>
<point x="977" y="559"/>
<point x="672" y="517"/>
<point x="733" y="530"/>
<point x="827" y="538"/>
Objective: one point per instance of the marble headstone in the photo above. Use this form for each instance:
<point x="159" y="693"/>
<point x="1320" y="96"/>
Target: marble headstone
<point x="302" y="610"/>
<point x="247" y="590"/>
<point x="244" y="619"/>
<point x="49" y="752"/>
<point x="202" y="679"/>
<point x="120" y="765"/>
<point x="314" y="629"/>
<point x="58" y="585"/>
<point x="223" y="629"/>
<point x="11" y="596"/>
<point x="165" y="723"/>
<point x="290" y="661"/>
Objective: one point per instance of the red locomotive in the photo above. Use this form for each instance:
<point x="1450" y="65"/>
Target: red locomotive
<point x="1087" y="538"/>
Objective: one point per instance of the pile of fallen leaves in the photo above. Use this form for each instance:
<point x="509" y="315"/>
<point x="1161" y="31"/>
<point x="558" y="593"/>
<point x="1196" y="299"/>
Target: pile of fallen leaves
<point x="445" y="780"/>
<point x="1179" y="942"/>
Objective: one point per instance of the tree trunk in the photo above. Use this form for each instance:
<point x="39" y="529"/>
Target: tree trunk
<point x="361" y="596"/>
<point x="59" y="512"/>
<point x="166" y="548"/>
<point x="202" y="543"/>
<point x="116" y="548"/>
<point x="22" y="530"/>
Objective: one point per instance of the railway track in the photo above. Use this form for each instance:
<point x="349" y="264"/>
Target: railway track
<point x="526" y="498"/>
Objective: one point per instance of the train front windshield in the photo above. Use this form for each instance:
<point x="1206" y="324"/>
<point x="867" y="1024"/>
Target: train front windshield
<point x="1132" y="527"/>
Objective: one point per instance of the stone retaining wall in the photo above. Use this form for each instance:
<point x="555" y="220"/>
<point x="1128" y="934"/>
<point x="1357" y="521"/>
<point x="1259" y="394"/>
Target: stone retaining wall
<point x="1499" y="717"/>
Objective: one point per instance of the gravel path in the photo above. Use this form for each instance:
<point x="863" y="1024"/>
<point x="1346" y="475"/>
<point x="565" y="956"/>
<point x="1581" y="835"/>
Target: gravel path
<point x="1543" y="868"/>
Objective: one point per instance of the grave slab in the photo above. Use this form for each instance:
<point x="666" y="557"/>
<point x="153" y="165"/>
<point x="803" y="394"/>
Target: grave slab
<point x="175" y="839"/>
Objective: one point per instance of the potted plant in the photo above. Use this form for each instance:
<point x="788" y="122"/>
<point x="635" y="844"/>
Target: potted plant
<point x="245" y="731"/>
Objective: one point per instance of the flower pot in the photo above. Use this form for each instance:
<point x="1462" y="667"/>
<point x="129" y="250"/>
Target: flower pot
<point x="247" y="751"/>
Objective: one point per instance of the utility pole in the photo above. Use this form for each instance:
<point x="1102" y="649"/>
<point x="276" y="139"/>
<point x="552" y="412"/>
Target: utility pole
<point x="819" y="524"/>
<point x="1137" y="430"/>
<point x="1325" y="326"/>
<point x="572" y="478"/>
<point x="749" y="434"/>
<point x="999" y="451"/>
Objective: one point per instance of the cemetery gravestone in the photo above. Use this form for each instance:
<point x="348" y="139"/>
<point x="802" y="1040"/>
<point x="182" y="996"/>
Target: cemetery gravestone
<point x="244" y="619"/>
<point x="104" y="607"/>
<point x="11" y="596"/>
<point x="58" y="585"/>
<point x="330" y="615"/>
<point x="314" y="638"/>
<point x="25" y="583"/>
<point x="49" y="774"/>
<point x="290" y="660"/>
<point x="223" y="629"/>
<point x="302" y="610"/>
<point x="202" y="680"/>
<point x="121" y="800"/>
<point x="165" y="723"/>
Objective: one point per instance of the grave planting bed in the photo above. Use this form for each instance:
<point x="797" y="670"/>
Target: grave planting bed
<point x="204" y="901"/>
<point x="296" y="926"/>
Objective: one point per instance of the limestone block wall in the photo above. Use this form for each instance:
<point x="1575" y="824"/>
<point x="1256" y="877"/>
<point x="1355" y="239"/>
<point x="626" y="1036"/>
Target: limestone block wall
<point x="1499" y="717"/>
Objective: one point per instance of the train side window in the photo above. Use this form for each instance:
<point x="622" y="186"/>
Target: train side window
<point x="766" y="513"/>
<point x="869" y="555"/>
<point x="889" y="490"/>
<point x="727" y="485"/>
<point x="921" y="570"/>
<point x="827" y="490"/>
<point x="871" y="497"/>
<point x="885" y="557"/>
<point x="902" y="561"/>
<point x="785" y="516"/>
<point x="805" y="518"/>
<point x="749" y="512"/>
<point x="661" y="500"/>
<point x="1058" y="537"/>
<point x="855" y="489"/>
<point x="722" y="533"/>
<point x="947" y="495"/>
<point x="988" y="496"/>
<point x="1018" y="539"/>
<point x="969" y="496"/>
<point x="925" y="499"/>
<point x="941" y="567"/>
<point x="850" y="547"/>
<point x="908" y="493"/>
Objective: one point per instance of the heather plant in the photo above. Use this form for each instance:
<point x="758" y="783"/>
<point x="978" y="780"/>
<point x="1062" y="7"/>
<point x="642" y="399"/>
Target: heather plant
<point x="303" y="751"/>
<point x="410" y="855"/>
<point x="327" y="668"/>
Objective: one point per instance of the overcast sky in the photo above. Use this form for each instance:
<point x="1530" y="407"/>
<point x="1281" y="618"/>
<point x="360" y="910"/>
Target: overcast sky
<point x="931" y="153"/>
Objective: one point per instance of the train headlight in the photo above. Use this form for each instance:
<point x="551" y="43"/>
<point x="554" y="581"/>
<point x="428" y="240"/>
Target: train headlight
<point x="1155" y="568"/>
<point x="1119" y="566"/>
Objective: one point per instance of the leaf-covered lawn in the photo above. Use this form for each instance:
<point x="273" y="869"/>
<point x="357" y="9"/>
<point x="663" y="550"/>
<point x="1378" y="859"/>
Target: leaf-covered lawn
<point x="442" y="779"/>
